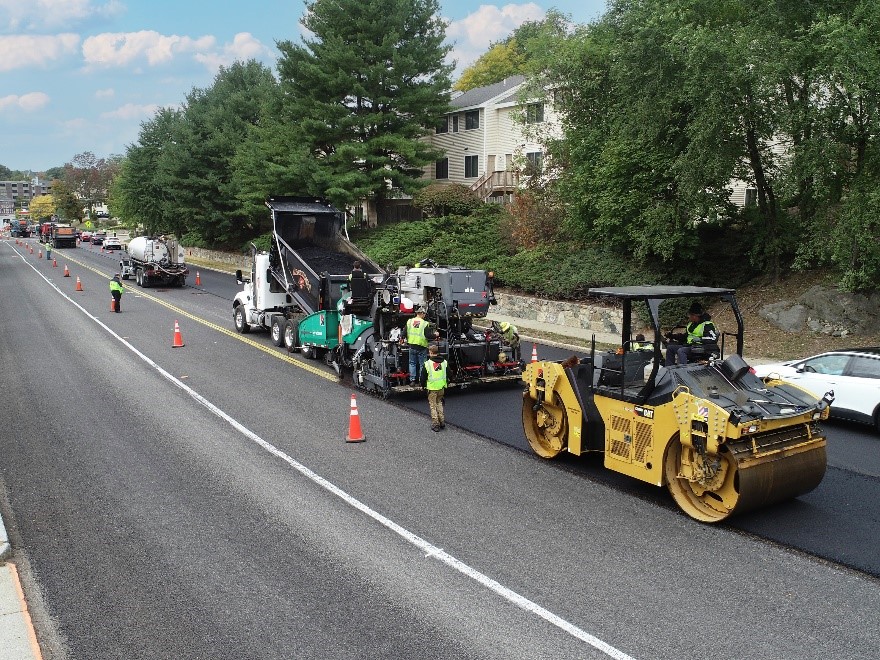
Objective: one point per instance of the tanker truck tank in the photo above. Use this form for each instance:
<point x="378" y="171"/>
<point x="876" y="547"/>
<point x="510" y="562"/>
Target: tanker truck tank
<point x="154" y="261"/>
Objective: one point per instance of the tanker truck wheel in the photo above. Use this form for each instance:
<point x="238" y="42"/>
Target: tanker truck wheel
<point x="291" y="336"/>
<point x="547" y="427"/>
<point x="277" y="331"/>
<point x="707" y="493"/>
<point x="240" y="320"/>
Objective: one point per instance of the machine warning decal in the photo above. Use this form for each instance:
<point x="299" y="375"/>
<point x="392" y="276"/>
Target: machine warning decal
<point x="702" y="411"/>
<point x="647" y="413"/>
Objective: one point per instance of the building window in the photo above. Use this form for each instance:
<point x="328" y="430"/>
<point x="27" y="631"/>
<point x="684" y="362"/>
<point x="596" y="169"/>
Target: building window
<point x="455" y="123"/>
<point x="536" y="162"/>
<point x="471" y="120"/>
<point x="751" y="197"/>
<point x="443" y="126"/>
<point x="471" y="167"/>
<point x="535" y="113"/>
<point x="441" y="169"/>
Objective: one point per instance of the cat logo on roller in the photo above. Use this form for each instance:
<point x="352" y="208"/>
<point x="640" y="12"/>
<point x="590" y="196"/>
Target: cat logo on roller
<point x="719" y="438"/>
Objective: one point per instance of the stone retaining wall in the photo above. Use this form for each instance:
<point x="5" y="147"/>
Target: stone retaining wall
<point x="231" y="259"/>
<point x="592" y="318"/>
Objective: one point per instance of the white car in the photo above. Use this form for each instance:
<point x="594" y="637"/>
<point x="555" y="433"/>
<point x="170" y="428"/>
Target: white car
<point x="853" y="375"/>
<point x="112" y="243"/>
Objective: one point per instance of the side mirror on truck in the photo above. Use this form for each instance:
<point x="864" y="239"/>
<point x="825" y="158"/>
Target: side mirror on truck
<point x="239" y="277"/>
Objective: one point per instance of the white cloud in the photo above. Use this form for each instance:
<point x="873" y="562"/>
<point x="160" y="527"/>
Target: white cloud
<point x="17" y="15"/>
<point x="118" y="49"/>
<point x="105" y="93"/>
<point x="131" y="111"/>
<point x="244" y="46"/>
<point x="23" y="51"/>
<point x="26" y="102"/>
<point x="489" y="23"/>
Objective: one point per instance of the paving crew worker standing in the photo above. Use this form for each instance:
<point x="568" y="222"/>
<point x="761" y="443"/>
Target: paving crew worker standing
<point x="116" y="291"/>
<point x="434" y="380"/>
<point x="417" y="340"/>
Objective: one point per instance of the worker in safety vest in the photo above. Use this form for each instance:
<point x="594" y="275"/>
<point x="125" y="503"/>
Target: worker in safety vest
<point x="510" y="335"/>
<point x="700" y="329"/>
<point x="639" y="344"/>
<point x="116" y="291"/>
<point x="417" y="340"/>
<point x="434" y="380"/>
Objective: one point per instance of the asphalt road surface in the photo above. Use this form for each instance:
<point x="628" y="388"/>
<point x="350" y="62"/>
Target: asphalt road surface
<point x="202" y="502"/>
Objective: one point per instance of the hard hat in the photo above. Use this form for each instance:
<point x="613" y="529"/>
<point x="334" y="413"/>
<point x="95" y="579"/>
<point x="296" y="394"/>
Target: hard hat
<point x="505" y="326"/>
<point x="695" y="308"/>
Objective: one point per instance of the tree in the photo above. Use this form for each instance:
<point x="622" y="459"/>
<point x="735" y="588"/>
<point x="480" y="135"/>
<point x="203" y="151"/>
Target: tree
<point x="42" y="208"/>
<point x="68" y="206"/>
<point x="499" y="62"/>
<point x="90" y="177"/>
<point x="366" y="90"/>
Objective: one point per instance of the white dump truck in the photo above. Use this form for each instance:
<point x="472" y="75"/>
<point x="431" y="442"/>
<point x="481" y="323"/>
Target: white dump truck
<point x="154" y="261"/>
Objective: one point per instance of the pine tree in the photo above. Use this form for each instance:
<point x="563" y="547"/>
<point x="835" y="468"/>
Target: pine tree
<point x="364" y="91"/>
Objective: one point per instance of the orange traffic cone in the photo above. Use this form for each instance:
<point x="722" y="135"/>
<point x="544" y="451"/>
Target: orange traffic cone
<point x="112" y="304"/>
<point x="54" y="262"/>
<point x="178" y="340"/>
<point x="66" y="271"/>
<point x="198" y="279"/>
<point x="534" y="352"/>
<point x="355" y="434"/>
<point x="79" y="286"/>
<point x="40" y="254"/>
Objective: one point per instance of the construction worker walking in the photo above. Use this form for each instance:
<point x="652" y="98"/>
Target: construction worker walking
<point x="434" y="380"/>
<point x="116" y="290"/>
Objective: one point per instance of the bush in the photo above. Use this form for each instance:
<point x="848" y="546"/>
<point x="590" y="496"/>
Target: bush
<point x="437" y="200"/>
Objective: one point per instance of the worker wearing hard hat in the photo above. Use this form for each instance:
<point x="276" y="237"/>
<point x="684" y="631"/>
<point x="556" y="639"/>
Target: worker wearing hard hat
<point x="510" y="335"/>
<point x="417" y="340"/>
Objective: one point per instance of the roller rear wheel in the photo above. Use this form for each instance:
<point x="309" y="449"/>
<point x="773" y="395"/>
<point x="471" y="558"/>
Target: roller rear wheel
<point x="547" y="427"/>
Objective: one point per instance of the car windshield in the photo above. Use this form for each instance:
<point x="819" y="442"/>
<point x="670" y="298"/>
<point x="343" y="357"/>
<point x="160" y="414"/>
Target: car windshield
<point x="832" y="365"/>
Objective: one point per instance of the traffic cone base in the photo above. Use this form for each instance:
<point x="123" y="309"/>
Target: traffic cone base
<point x="534" y="352"/>
<point x="79" y="286"/>
<point x="178" y="339"/>
<point x="66" y="271"/>
<point x="355" y="433"/>
<point x="54" y="263"/>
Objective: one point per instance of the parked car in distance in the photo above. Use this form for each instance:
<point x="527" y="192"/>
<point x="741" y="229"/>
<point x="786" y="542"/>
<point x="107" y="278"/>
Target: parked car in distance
<point x="853" y="374"/>
<point x="98" y="237"/>
<point x="85" y="236"/>
<point x="112" y="243"/>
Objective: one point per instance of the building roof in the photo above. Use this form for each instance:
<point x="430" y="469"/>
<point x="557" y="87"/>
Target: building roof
<point x="481" y="95"/>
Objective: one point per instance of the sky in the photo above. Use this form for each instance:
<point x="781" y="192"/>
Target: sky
<point x="83" y="75"/>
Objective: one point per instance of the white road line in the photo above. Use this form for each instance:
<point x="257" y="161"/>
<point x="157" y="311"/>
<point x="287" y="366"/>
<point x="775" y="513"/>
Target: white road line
<point x="424" y="546"/>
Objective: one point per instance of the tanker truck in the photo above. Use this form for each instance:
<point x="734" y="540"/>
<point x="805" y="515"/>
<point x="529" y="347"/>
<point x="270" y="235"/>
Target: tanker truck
<point x="154" y="261"/>
<point x="301" y="292"/>
<point x="719" y="438"/>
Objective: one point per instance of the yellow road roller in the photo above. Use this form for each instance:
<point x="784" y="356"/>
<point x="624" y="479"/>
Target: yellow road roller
<point x="718" y="437"/>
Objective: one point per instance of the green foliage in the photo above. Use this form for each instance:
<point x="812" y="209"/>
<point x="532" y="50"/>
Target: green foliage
<point x="499" y="62"/>
<point x="363" y="88"/>
<point x="441" y="199"/>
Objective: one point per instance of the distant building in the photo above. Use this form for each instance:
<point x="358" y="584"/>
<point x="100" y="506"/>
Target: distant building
<point x="22" y="192"/>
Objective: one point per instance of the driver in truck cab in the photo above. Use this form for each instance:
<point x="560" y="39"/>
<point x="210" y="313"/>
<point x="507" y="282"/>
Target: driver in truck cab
<point x="700" y="329"/>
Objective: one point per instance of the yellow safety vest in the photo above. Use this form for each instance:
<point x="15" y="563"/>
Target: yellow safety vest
<point x="415" y="332"/>
<point x="436" y="374"/>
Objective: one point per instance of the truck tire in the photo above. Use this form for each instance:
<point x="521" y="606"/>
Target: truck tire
<point x="277" y="330"/>
<point x="291" y="336"/>
<point x="139" y="277"/>
<point x="240" y="320"/>
<point x="309" y="352"/>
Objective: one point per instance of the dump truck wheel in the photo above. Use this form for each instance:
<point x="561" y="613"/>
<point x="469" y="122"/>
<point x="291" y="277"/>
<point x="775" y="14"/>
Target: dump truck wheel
<point x="546" y="428"/>
<point x="277" y="331"/>
<point x="240" y="320"/>
<point x="705" y="493"/>
<point x="291" y="336"/>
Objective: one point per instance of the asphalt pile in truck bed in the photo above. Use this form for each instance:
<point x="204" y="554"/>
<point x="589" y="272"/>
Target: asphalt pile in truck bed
<point x="322" y="260"/>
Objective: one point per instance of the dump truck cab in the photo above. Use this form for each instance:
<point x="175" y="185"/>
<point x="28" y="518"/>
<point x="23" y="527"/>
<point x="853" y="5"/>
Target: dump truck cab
<point x="720" y="439"/>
